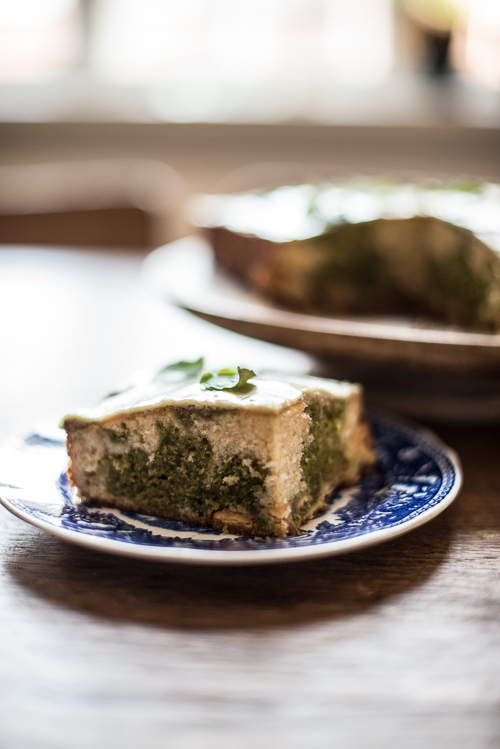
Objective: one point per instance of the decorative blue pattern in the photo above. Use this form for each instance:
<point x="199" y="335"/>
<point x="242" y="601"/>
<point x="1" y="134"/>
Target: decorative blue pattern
<point x="414" y="475"/>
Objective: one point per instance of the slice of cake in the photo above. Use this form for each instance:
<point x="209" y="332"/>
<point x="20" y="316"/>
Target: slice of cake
<point x="366" y="247"/>
<point x="251" y="455"/>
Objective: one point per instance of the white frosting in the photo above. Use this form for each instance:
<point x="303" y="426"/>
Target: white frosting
<point x="303" y="211"/>
<point x="267" y="394"/>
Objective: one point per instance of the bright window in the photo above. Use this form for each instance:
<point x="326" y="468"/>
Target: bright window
<point x="250" y="60"/>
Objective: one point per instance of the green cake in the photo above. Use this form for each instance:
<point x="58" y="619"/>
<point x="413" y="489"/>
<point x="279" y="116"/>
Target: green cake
<point x="245" y="454"/>
<point x="366" y="247"/>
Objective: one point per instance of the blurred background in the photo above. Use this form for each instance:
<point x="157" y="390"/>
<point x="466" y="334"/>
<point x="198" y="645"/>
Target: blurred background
<point x="207" y="86"/>
<point x="262" y="61"/>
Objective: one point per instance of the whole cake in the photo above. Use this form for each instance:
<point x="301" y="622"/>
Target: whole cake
<point x="366" y="246"/>
<point x="245" y="454"/>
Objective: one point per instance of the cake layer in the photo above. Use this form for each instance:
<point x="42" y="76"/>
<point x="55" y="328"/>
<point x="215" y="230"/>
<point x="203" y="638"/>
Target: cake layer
<point x="259" y="459"/>
<point x="366" y="247"/>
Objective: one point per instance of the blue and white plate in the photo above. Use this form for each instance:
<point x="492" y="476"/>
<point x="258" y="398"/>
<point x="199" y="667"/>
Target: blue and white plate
<point x="416" y="477"/>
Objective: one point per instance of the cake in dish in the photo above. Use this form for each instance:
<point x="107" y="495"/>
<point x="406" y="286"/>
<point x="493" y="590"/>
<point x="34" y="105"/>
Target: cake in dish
<point x="250" y="455"/>
<point x="366" y="247"/>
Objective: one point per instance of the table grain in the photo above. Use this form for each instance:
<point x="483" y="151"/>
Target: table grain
<point x="396" y="646"/>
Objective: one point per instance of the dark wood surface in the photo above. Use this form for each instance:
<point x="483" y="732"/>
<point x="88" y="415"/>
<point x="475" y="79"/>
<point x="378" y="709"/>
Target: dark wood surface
<point x="397" y="646"/>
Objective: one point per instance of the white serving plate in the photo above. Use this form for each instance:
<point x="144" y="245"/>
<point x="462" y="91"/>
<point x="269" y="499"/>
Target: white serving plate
<point x="184" y="273"/>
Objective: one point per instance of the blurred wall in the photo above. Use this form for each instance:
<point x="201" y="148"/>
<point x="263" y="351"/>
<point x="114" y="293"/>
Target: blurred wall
<point x="205" y="153"/>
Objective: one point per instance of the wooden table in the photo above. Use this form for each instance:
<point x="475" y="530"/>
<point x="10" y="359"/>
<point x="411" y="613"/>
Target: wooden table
<point x="398" y="646"/>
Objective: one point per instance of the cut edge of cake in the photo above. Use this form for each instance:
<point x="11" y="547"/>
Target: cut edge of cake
<point x="239" y="465"/>
<point x="405" y="258"/>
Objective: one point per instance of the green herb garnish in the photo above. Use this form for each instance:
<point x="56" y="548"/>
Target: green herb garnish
<point x="229" y="380"/>
<point x="181" y="370"/>
<point x="115" y="393"/>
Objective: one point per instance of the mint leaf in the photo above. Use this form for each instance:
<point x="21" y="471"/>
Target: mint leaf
<point x="229" y="380"/>
<point x="117" y="392"/>
<point x="179" y="371"/>
<point x="245" y="375"/>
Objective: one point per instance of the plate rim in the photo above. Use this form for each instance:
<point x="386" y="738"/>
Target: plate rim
<point x="265" y="556"/>
<point x="256" y="313"/>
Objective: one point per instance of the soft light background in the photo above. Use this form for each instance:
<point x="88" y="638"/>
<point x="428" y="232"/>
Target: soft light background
<point x="208" y="86"/>
<point x="250" y="60"/>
